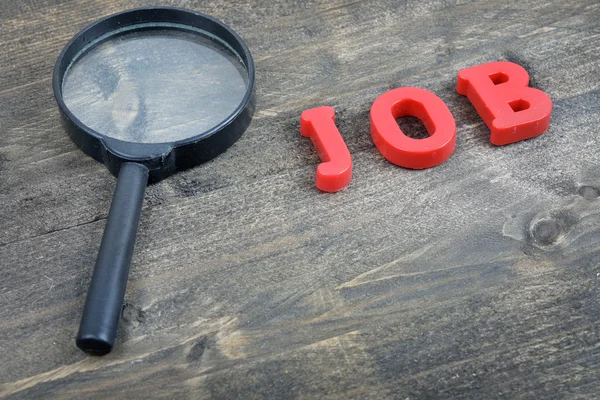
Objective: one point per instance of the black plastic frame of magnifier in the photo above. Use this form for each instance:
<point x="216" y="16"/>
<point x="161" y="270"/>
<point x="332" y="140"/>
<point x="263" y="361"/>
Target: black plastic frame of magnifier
<point x="137" y="164"/>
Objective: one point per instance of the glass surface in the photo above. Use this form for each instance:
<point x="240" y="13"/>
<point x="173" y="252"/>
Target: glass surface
<point x="155" y="85"/>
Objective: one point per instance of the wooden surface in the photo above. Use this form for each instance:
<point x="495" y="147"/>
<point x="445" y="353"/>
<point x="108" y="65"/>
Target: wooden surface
<point x="477" y="279"/>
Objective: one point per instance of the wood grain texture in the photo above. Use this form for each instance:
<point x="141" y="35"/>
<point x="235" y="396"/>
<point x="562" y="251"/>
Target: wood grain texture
<point x="475" y="279"/>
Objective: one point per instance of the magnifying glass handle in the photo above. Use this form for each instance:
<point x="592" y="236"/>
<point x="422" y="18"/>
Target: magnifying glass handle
<point x="104" y="302"/>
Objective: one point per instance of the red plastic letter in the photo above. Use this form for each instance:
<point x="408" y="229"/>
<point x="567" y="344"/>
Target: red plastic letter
<point x="511" y="110"/>
<point x="407" y="152"/>
<point x="335" y="171"/>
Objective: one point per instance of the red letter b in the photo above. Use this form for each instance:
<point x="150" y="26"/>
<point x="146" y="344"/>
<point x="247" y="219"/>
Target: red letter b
<point x="499" y="92"/>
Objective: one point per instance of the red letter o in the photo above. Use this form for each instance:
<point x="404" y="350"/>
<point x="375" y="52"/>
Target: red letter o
<point x="402" y="150"/>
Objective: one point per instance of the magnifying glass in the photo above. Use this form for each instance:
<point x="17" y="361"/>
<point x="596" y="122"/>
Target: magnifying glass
<point x="148" y="92"/>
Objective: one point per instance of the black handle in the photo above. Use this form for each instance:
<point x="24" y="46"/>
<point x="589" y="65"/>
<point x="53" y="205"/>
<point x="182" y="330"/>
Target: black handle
<point x="104" y="302"/>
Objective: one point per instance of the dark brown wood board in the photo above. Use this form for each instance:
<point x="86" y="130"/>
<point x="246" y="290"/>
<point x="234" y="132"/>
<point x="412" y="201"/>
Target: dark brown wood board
<point x="476" y="279"/>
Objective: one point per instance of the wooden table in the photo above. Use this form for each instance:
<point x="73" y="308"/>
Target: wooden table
<point x="476" y="279"/>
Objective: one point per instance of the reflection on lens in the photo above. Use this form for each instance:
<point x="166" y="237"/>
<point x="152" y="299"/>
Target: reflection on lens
<point x="155" y="85"/>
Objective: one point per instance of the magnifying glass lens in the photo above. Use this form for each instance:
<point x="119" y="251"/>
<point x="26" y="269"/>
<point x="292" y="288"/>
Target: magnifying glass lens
<point x="154" y="84"/>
